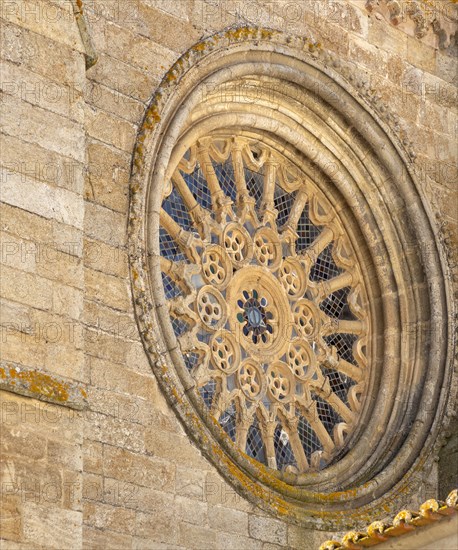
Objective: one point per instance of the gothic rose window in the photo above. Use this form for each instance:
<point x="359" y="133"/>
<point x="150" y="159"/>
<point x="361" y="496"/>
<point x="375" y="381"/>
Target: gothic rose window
<point x="267" y="301"/>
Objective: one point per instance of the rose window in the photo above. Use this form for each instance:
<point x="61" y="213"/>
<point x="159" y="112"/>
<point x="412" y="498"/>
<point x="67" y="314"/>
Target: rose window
<point x="267" y="302"/>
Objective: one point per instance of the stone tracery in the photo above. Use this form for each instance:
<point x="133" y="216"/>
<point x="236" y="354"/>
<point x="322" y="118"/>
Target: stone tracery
<point x="267" y="301"/>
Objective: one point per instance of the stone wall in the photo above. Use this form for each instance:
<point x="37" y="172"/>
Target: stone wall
<point x="92" y="456"/>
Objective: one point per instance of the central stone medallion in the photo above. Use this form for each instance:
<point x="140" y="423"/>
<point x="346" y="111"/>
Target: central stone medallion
<point x="262" y="318"/>
<point x="254" y="317"/>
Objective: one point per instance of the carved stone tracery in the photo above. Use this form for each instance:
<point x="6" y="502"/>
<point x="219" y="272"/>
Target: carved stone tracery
<point x="276" y="306"/>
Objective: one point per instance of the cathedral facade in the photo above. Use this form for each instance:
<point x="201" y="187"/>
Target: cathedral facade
<point x="228" y="274"/>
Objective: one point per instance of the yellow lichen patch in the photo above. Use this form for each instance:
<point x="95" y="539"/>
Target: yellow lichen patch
<point x="199" y="47"/>
<point x="42" y="384"/>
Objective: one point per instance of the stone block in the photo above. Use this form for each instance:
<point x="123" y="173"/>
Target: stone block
<point x="23" y="224"/>
<point x="218" y="492"/>
<point x="58" y="266"/>
<point x="169" y="446"/>
<point x="69" y="455"/>
<point x="420" y="55"/>
<point x="387" y="37"/>
<point x="190" y="483"/>
<point x="115" y="431"/>
<point x="39" y="164"/>
<point x="51" y="20"/>
<point x="105" y="346"/>
<point x="42" y="199"/>
<point x="147" y="21"/>
<point x="148" y="544"/>
<point x="228" y="520"/>
<point x="67" y="300"/>
<point x="122" y="379"/>
<point x="113" y="101"/>
<point x="107" y="177"/>
<point x="191" y="511"/>
<point x="26" y="288"/>
<point x="123" y="78"/>
<point x="49" y="130"/>
<point x="110" y="129"/>
<point x="95" y="539"/>
<point x="142" y="470"/>
<point x="15" y="318"/>
<point x="136" y="50"/>
<point x="363" y="53"/>
<point x="298" y="537"/>
<point x="23" y="85"/>
<point x="108" y="259"/>
<point x="171" y="7"/>
<point x="229" y="541"/>
<point x="147" y="500"/>
<point x="92" y="456"/>
<point x="17" y="253"/>
<point x="193" y="536"/>
<point x="102" y="224"/>
<point x="102" y="318"/>
<point x="16" y="441"/>
<point x="104" y="516"/>
<point x="11" y="514"/>
<point x="268" y="530"/>
<point x="43" y="56"/>
<point x="107" y="290"/>
<point x="160" y="527"/>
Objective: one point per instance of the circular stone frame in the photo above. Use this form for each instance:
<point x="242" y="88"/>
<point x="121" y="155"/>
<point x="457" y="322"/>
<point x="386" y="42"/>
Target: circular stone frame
<point x="305" y="106"/>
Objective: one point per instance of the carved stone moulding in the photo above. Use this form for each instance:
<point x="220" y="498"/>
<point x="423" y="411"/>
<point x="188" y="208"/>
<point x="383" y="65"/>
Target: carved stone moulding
<point x="435" y="16"/>
<point x="286" y="278"/>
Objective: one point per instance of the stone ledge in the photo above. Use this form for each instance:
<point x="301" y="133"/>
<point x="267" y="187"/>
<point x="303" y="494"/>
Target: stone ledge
<point x="81" y="20"/>
<point x="30" y="382"/>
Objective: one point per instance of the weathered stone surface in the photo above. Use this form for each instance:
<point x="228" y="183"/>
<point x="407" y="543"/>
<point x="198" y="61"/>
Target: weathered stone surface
<point x="107" y="176"/>
<point x="50" y="202"/>
<point x="107" y="290"/>
<point x="124" y="474"/>
<point x="268" y="530"/>
<point x="139" y="469"/>
<point x="42" y="55"/>
<point x="104" y="225"/>
<point x="225" y="519"/>
<point x="102" y="516"/>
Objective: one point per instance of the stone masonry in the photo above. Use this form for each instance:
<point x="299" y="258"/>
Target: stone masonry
<point x="92" y="455"/>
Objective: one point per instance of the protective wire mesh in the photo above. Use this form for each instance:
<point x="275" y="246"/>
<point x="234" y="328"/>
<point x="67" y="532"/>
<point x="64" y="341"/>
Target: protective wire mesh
<point x="191" y="360"/>
<point x="344" y="345"/>
<point x="283" y="202"/>
<point x="175" y="207"/>
<point x="325" y="267"/>
<point x="198" y="185"/>
<point x="340" y="383"/>
<point x="172" y="290"/>
<point x="225" y="174"/>
<point x="255" y="444"/>
<point x="228" y="421"/>
<point x="306" y="231"/>
<point x="308" y="437"/>
<point x="255" y="185"/>
<point x="207" y="392"/>
<point x="336" y="305"/>
<point x="327" y="414"/>
<point x="169" y="248"/>
<point x="283" y="452"/>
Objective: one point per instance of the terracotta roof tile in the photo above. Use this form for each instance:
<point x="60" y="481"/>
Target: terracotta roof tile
<point x="406" y="521"/>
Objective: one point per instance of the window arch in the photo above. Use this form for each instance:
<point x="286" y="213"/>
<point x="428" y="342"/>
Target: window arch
<point x="273" y="211"/>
